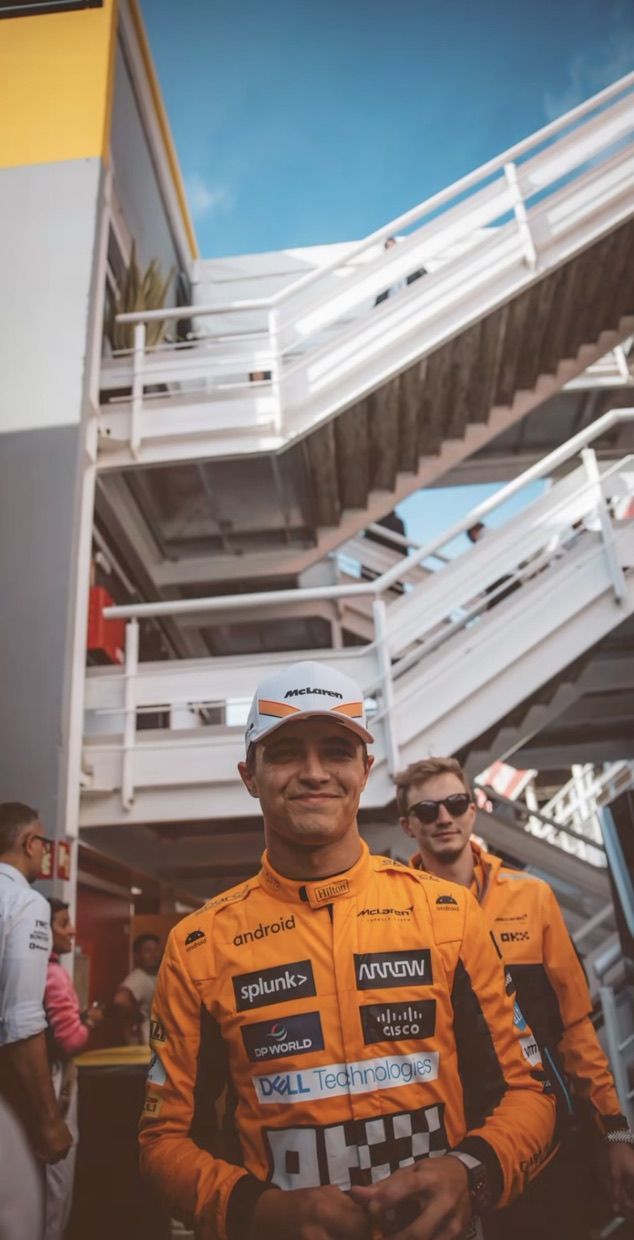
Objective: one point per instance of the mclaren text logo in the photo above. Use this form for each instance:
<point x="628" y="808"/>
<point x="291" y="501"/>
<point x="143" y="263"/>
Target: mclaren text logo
<point x="266" y="986"/>
<point x="263" y="930"/>
<point x="375" y="914"/>
<point x="335" y="1079"/>
<point x="380" y="970"/>
<point x="324" y="693"/>
<point x="276" y="1039"/>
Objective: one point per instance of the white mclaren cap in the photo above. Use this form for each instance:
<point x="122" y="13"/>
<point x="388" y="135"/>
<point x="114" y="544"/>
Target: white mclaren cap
<point x="303" y="691"/>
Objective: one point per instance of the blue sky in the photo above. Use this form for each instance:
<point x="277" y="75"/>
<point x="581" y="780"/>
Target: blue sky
<point x="298" y="123"/>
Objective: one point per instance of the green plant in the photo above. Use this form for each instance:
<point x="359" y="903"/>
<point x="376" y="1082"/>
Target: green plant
<point x="138" y="290"/>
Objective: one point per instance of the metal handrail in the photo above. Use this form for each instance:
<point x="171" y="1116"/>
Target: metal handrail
<point x="599" y="791"/>
<point x="401" y="222"/>
<point x="374" y="589"/>
<point x="521" y="810"/>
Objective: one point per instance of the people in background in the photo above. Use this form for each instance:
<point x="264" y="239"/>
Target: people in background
<point x="335" y="995"/>
<point x="133" y="999"/>
<point x="68" y="1032"/>
<point x="392" y="522"/>
<point x="438" y="813"/>
<point x="403" y="282"/>
<point x="25" y="945"/>
<point x="21" y="1185"/>
<point x="498" y="589"/>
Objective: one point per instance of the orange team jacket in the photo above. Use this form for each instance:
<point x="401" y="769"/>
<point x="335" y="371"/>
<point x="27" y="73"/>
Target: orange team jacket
<point x="359" y="1023"/>
<point x="552" y="991"/>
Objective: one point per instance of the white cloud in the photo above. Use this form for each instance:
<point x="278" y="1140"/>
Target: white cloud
<point x="206" y="199"/>
<point x="587" y="76"/>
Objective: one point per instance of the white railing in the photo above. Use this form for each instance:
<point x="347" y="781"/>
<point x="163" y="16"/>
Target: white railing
<point x="318" y="343"/>
<point x="577" y="802"/>
<point x="583" y="842"/>
<point x="590" y="494"/>
<point x="614" y="370"/>
<point x="573" y="522"/>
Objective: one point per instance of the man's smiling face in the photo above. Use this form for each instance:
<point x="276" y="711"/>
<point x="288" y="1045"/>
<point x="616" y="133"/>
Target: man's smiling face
<point x="308" y="777"/>
<point x="446" y="837"/>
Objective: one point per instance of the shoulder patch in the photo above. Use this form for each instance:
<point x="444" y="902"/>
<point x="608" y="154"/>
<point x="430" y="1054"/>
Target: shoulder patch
<point x="388" y="863"/>
<point x="227" y="897"/>
<point x="403" y="867"/>
<point x="515" y="876"/>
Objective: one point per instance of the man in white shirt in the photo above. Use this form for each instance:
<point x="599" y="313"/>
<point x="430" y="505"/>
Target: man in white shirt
<point x="134" y="996"/>
<point x="25" y="945"/>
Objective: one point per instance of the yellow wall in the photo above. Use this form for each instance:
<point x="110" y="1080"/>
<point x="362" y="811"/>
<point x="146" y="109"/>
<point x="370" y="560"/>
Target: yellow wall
<point x="56" y="73"/>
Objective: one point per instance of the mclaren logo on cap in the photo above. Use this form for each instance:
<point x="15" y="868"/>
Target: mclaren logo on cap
<point x="301" y="692"/>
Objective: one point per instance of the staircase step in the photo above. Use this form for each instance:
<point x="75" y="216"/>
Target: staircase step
<point x="382" y="436"/>
<point x="321" y="455"/>
<point x="529" y="363"/>
<point x="429" y="412"/>
<point x="558" y="326"/>
<point x="411" y="386"/>
<point x="589" y="315"/>
<point x="492" y="335"/>
<point x="516" y="327"/>
<point x="353" y="456"/>
<point x="622" y="302"/>
<point x="465" y="356"/>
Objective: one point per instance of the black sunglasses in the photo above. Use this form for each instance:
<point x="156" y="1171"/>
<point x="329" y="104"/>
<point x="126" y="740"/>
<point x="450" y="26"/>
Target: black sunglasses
<point x="427" y="811"/>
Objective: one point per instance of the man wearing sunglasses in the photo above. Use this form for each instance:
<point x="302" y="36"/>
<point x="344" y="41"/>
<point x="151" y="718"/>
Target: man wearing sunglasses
<point x="437" y="811"/>
<point x="25" y="947"/>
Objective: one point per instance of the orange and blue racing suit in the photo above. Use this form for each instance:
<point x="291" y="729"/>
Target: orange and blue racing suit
<point x="356" y="1024"/>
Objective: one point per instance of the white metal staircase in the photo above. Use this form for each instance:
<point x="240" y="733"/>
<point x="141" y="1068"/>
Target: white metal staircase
<point x="388" y="397"/>
<point x="449" y="656"/>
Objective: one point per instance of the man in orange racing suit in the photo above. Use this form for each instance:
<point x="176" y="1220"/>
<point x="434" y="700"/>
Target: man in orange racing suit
<point x="437" y="811"/>
<point x="355" y="1010"/>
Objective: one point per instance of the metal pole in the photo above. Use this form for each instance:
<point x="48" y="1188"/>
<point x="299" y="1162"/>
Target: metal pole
<point x="618" y="866"/>
<point x="589" y="458"/>
<point x="615" y="1049"/>
<point x="595" y="921"/>
<point x="138" y="362"/>
<point x="519" y="210"/>
<point x="276" y="361"/>
<point x="379" y="611"/>
<point x="129" y="726"/>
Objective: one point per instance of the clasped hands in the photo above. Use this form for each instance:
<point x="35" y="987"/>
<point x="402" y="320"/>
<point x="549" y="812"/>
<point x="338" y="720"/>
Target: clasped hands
<point x="427" y="1201"/>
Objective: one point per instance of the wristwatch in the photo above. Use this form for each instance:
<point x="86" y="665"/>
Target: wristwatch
<point x="620" y="1136"/>
<point x="477" y="1180"/>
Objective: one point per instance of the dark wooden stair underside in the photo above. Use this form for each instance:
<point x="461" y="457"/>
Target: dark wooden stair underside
<point x="365" y="447"/>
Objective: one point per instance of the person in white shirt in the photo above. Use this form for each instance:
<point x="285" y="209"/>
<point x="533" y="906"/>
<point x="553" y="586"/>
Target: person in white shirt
<point x="25" y="945"/>
<point x="21" y="1183"/>
<point x="133" y="999"/>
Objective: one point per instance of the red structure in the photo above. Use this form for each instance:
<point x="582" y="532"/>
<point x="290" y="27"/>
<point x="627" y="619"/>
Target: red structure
<point x="106" y="638"/>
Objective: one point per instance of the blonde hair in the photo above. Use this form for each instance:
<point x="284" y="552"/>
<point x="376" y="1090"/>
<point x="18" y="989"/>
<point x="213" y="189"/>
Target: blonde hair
<point x="418" y="772"/>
